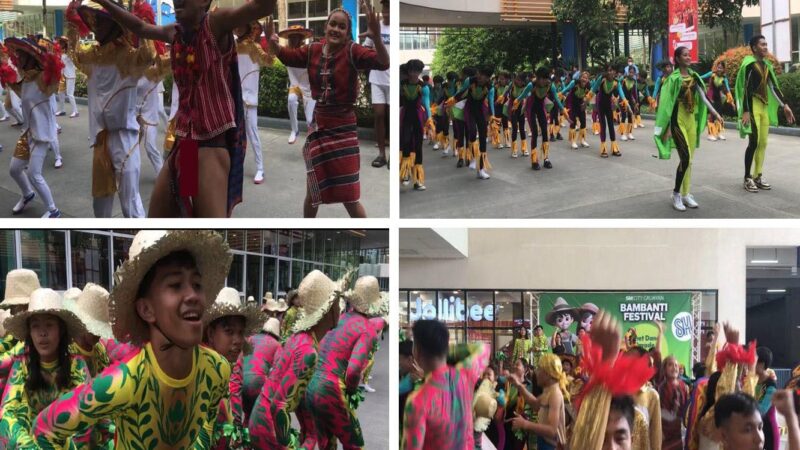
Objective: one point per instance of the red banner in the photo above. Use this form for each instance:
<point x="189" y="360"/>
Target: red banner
<point x="683" y="26"/>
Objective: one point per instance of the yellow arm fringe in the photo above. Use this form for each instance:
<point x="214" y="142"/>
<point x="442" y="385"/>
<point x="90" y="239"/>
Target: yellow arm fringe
<point x="255" y="52"/>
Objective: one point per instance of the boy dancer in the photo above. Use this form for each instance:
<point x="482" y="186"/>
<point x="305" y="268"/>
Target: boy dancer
<point x="299" y="86"/>
<point x="251" y="58"/>
<point x="536" y="95"/>
<point x="69" y="80"/>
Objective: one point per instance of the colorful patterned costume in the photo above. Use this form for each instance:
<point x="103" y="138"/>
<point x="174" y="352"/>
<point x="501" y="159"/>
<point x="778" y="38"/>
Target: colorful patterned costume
<point x="20" y="407"/>
<point x="150" y="409"/>
<point x="255" y="368"/>
<point x="646" y="433"/>
<point x="96" y="359"/>
<point x="230" y="430"/>
<point x="6" y="362"/>
<point x="287" y="324"/>
<point x="438" y="415"/>
<point x="522" y="349"/>
<point x="344" y="354"/>
<point x="415" y="111"/>
<point x="283" y="393"/>
<point x="118" y="351"/>
<point x="674" y="401"/>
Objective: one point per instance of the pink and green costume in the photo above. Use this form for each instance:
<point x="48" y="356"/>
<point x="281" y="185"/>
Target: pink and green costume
<point x="438" y="415"/>
<point x="150" y="409"/>
<point x="344" y="354"/>
<point x="20" y="407"/>
<point x="283" y="393"/>
<point x="255" y="368"/>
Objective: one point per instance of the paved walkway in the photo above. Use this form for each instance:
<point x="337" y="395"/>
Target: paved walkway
<point x="281" y="195"/>
<point x="583" y="185"/>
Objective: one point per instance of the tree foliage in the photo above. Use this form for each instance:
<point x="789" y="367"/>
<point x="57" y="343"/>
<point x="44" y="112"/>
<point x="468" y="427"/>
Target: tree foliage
<point x="725" y="14"/>
<point x="511" y="49"/>
<point x="596" y="20"/>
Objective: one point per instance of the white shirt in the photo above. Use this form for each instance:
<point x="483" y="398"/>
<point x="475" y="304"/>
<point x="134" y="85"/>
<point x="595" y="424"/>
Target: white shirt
<point x="175" y="102"/>
<point x="37" y="109"/>
<point x="69" y="66"/>
<point x="298" y="76"/>
<point x="112" y="101"/>
<point x="147" y="100"/>
<point x="249" y="74"/>
<point x="380" y="77"/>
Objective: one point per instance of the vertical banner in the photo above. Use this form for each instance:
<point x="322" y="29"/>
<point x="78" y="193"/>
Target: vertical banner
<point x="563" y="313"/>
<point x="683" y="26"/>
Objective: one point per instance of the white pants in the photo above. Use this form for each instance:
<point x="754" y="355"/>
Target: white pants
<point x="3" y="112"/>
<point x="16" y="109"/>
<point x="119" y="142"/>
<point x="33" y="174"/>
<point x="253" y="139"/>
<point x="56" y="147"/>
<point x="308" y="107"/>
<point x="163" y="120"/>
<point x="153" y="152"/>
<point x="380" y="94"/>
<point x="70" y="95"/>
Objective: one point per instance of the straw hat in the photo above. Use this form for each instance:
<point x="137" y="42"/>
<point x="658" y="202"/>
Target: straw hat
<point x="5" y="314"/>
<point x="296" y="29"/>
<point x="484" y="406"/>
<point x="273" y="305"/>
<point x="20" y="283"/>
<point x="272" y="326"/>
<point x="366" y="297"/>
<point x="228" y="304"/>
<point x="91" y="13"/>
<point x="589" y="307"/>
<point x="29" y="46"/>
<point x="210" y="252"/>
<point x="44" y="301"/>
<point x="315" y="296"/>
<point x="560" y="306"/>
<point x="71" y="297"/>
<point x="92" y="308"/>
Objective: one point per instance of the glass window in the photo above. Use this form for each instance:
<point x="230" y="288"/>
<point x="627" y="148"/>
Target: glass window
<point x="236" y="274"/>
<point x="285" y="243"/>
<point x="254" y="241"/>
<point x="503" y="340"/>
<point x="422" y="305"/>
<point x="302" y="23"/>
<point x="509" y="309"/>
<point x="336" y="4"/>
<point x="317" y="8"/>
<point x="8" y="257"/>
<point x="308" y="246"/>
<point x="268" y="242"/>
<point x="44" y="252"/>
<point x="457" y="335"/>
<point x="269" y="276"/>
<point x="403" y="308"/>
<point x="283" y="275"/>
<point x="236" y="239"/>
<point x="479" y="309"/>
<point x="296" y="9"/>
<point x="318" y="27"/>
<point x="121" y="247"/>
<point x="297" y="243"/>
<point x="253" y="277"/>
<point x="485" y="335"/>
<point x="89" y="259"/>
<point x="297" y="273"/>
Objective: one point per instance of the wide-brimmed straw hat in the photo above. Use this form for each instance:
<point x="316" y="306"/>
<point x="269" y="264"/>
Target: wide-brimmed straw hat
<point x="44" y="301"/>
<point x="366" y="297"/>
<point x="210" y="252"/>
<point x="272" y="305"/>
<point x="92" y="14"/>
<point x="273" y="327"/>
<point x="296" y="29"/>
<point x="29" y="46"/>
<point x="560" y="306"/>
<point x="71" y="297"/>
<point x="589" y="307"/>
<point x="20" y="284"/>
<point x="91" y="307"/>
<point x="315" y="296"/>
<point x="229" y="304"/>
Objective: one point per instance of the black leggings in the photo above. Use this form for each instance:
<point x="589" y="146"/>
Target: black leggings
<point x="682" y="147"/>
<point x="752" y="146"/>
<point x="578" y="114"/>
<point x="411" y="137"/>
<point x="477" y="120"/>
<point x="503" y="119"/>
<point x="538" y="116"/>
<point x="518" y="123"/>
<point x="458" y="132"/>
<point x="606" y="119"/>
<point x="443" y="124"/>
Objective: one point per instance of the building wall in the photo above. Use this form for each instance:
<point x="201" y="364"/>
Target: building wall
<point x="603" y="259"/>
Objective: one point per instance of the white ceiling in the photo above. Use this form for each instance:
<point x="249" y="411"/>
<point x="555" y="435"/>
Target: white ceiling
<point x="427" y="244"/>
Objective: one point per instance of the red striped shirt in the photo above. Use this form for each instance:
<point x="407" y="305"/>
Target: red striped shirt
<point x="206" y="105"/>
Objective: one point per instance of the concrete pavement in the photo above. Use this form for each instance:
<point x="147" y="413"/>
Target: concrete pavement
<point x="281" y="194"/>
<point x="583" y="185"/>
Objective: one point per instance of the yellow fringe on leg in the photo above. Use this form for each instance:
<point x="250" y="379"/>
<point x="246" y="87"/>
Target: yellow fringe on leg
<point x="583" y="135"/>
<point x="621" y="129"/>
<point x="534" y="155"/>
<point x="476" y="150"/>
<point x="419" y="174"/>
<point x="524" y="146"/>
<point x="406" y="165"/>
<point x="615" y="148"/>
<point x="572" y="134"/>
<point x="596" y="127"/>
<point x="484" y="161"/>
<point x="513" y="148"/>
<point x="508" y="135"/>
<point x="603" y="151"/>
<point x="461" y="152"/>
<point x="546" y="150"/>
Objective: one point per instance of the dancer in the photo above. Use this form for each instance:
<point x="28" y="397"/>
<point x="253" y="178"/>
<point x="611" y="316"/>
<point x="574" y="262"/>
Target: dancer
<point x="629" y="110"/>
<point x="161" y="295"/>
<point x="666" y="67"/>
<point x="608" y="93"/>
<point x="739" y="423"/>
<point x="758" y="97"/>
<point x="578" y="94"/>
<point x="460" y="117"/>
<point x="379" y="78"/>
<point x="537" y="99"/>
<point x="251" y="58"/>
<point x="438" y="414"/>
<point x="91" y="307"/>
<point x="475" y="91"/>
<point x="113" y="67"/>
<point x="451" y="86"/>
<point x="516" y="115"/>
<point x="210" y="123"/>
<point x="554" y="128"/>
<point x="9" y="74"/>
<point x="680" y="118"/>
<point x="299" y="86"/>
<point x="226" y="325"/>
<point x="540" y="345"/>
<point x="344" y="355"/>
<point x="20" y="283"/>
<point x="523" y="346"/>
<point x="256" y="366"/>
<point x="674" y="396"/>
<point x="415" y="112"/>
<point x="332" y="69"/>
<point x="68" y="92"/>
<point x="285" y="389"/>
<point x="47" y="369"/>
<point x="440" y="116"/>
<point x="719" y="91"/>
<point x="499" y="118"/>
<point x="42" y="68"/>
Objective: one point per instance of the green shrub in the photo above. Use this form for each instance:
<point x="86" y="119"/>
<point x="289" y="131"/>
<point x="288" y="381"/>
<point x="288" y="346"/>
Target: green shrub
<point x="790" y="86"/>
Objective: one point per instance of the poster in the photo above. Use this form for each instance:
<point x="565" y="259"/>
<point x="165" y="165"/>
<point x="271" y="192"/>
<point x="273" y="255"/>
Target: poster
<point x="637" y="312"/>
<point x="683" y="26"/>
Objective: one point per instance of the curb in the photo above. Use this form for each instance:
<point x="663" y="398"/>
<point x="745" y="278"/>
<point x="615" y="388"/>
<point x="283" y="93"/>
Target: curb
<point x="277" y="123"/>
<point x="781" y="131"/>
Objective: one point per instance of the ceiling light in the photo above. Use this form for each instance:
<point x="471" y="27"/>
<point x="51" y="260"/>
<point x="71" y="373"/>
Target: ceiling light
<point x="776" y="291"/>
<point x="764" y="261"/>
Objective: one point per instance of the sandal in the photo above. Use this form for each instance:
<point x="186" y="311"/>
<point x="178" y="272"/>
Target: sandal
<point x="380" y="161"/>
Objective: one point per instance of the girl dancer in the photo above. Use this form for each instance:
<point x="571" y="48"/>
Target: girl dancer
<point x="476" y="91"/>
<point x="718" y="90"/>
<point x="69" y="80"/>
<point x="516" y="115"/>
<point x="451" y="86"/>
<point x="578" y="94"/>
<point x="439" y="114"/>
<point x="629" y="111"/>
<point x="555" y="114"/>
<point x="500" y="120"/>
<point x="609" y="92"/>
<point x="666" y="68"/>
<point x="680" y="118"/>
<point x="536" y="99"/>
<point x="415" y="110"/>
<point x="459" y="117"/>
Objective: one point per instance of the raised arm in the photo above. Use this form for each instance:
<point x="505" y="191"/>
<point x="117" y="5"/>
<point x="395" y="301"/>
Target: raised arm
<point x="491" y="100"/>
<point x="426" y="102"/>
<point x="524" y="94"/>
<point x="702" y="93"/>
<point x="568" y="87"/>
<point x="136" y="25"/>
<point x="706" y="75"/>
<point x="374" y="33"/>
<point x="555" y="97"/>
<point x="223" y="21"/>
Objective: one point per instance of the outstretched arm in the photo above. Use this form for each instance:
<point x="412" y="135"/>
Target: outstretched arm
<point x="136" y="25"/>
<point x="374" y="33"/>
<point x="224" y="20"/>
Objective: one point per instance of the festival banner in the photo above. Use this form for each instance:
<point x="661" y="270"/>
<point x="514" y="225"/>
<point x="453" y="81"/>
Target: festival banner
<point x="637" y="311"/>
<point x="683" y="26"/>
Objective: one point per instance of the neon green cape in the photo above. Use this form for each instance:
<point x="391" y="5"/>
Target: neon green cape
<point x="668" y="97"/>
<point x="772" y="102"/>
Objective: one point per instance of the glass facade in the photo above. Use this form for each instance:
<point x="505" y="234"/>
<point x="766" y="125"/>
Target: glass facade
<point x="312" y="14"/>
<point x="263" y="260"/>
